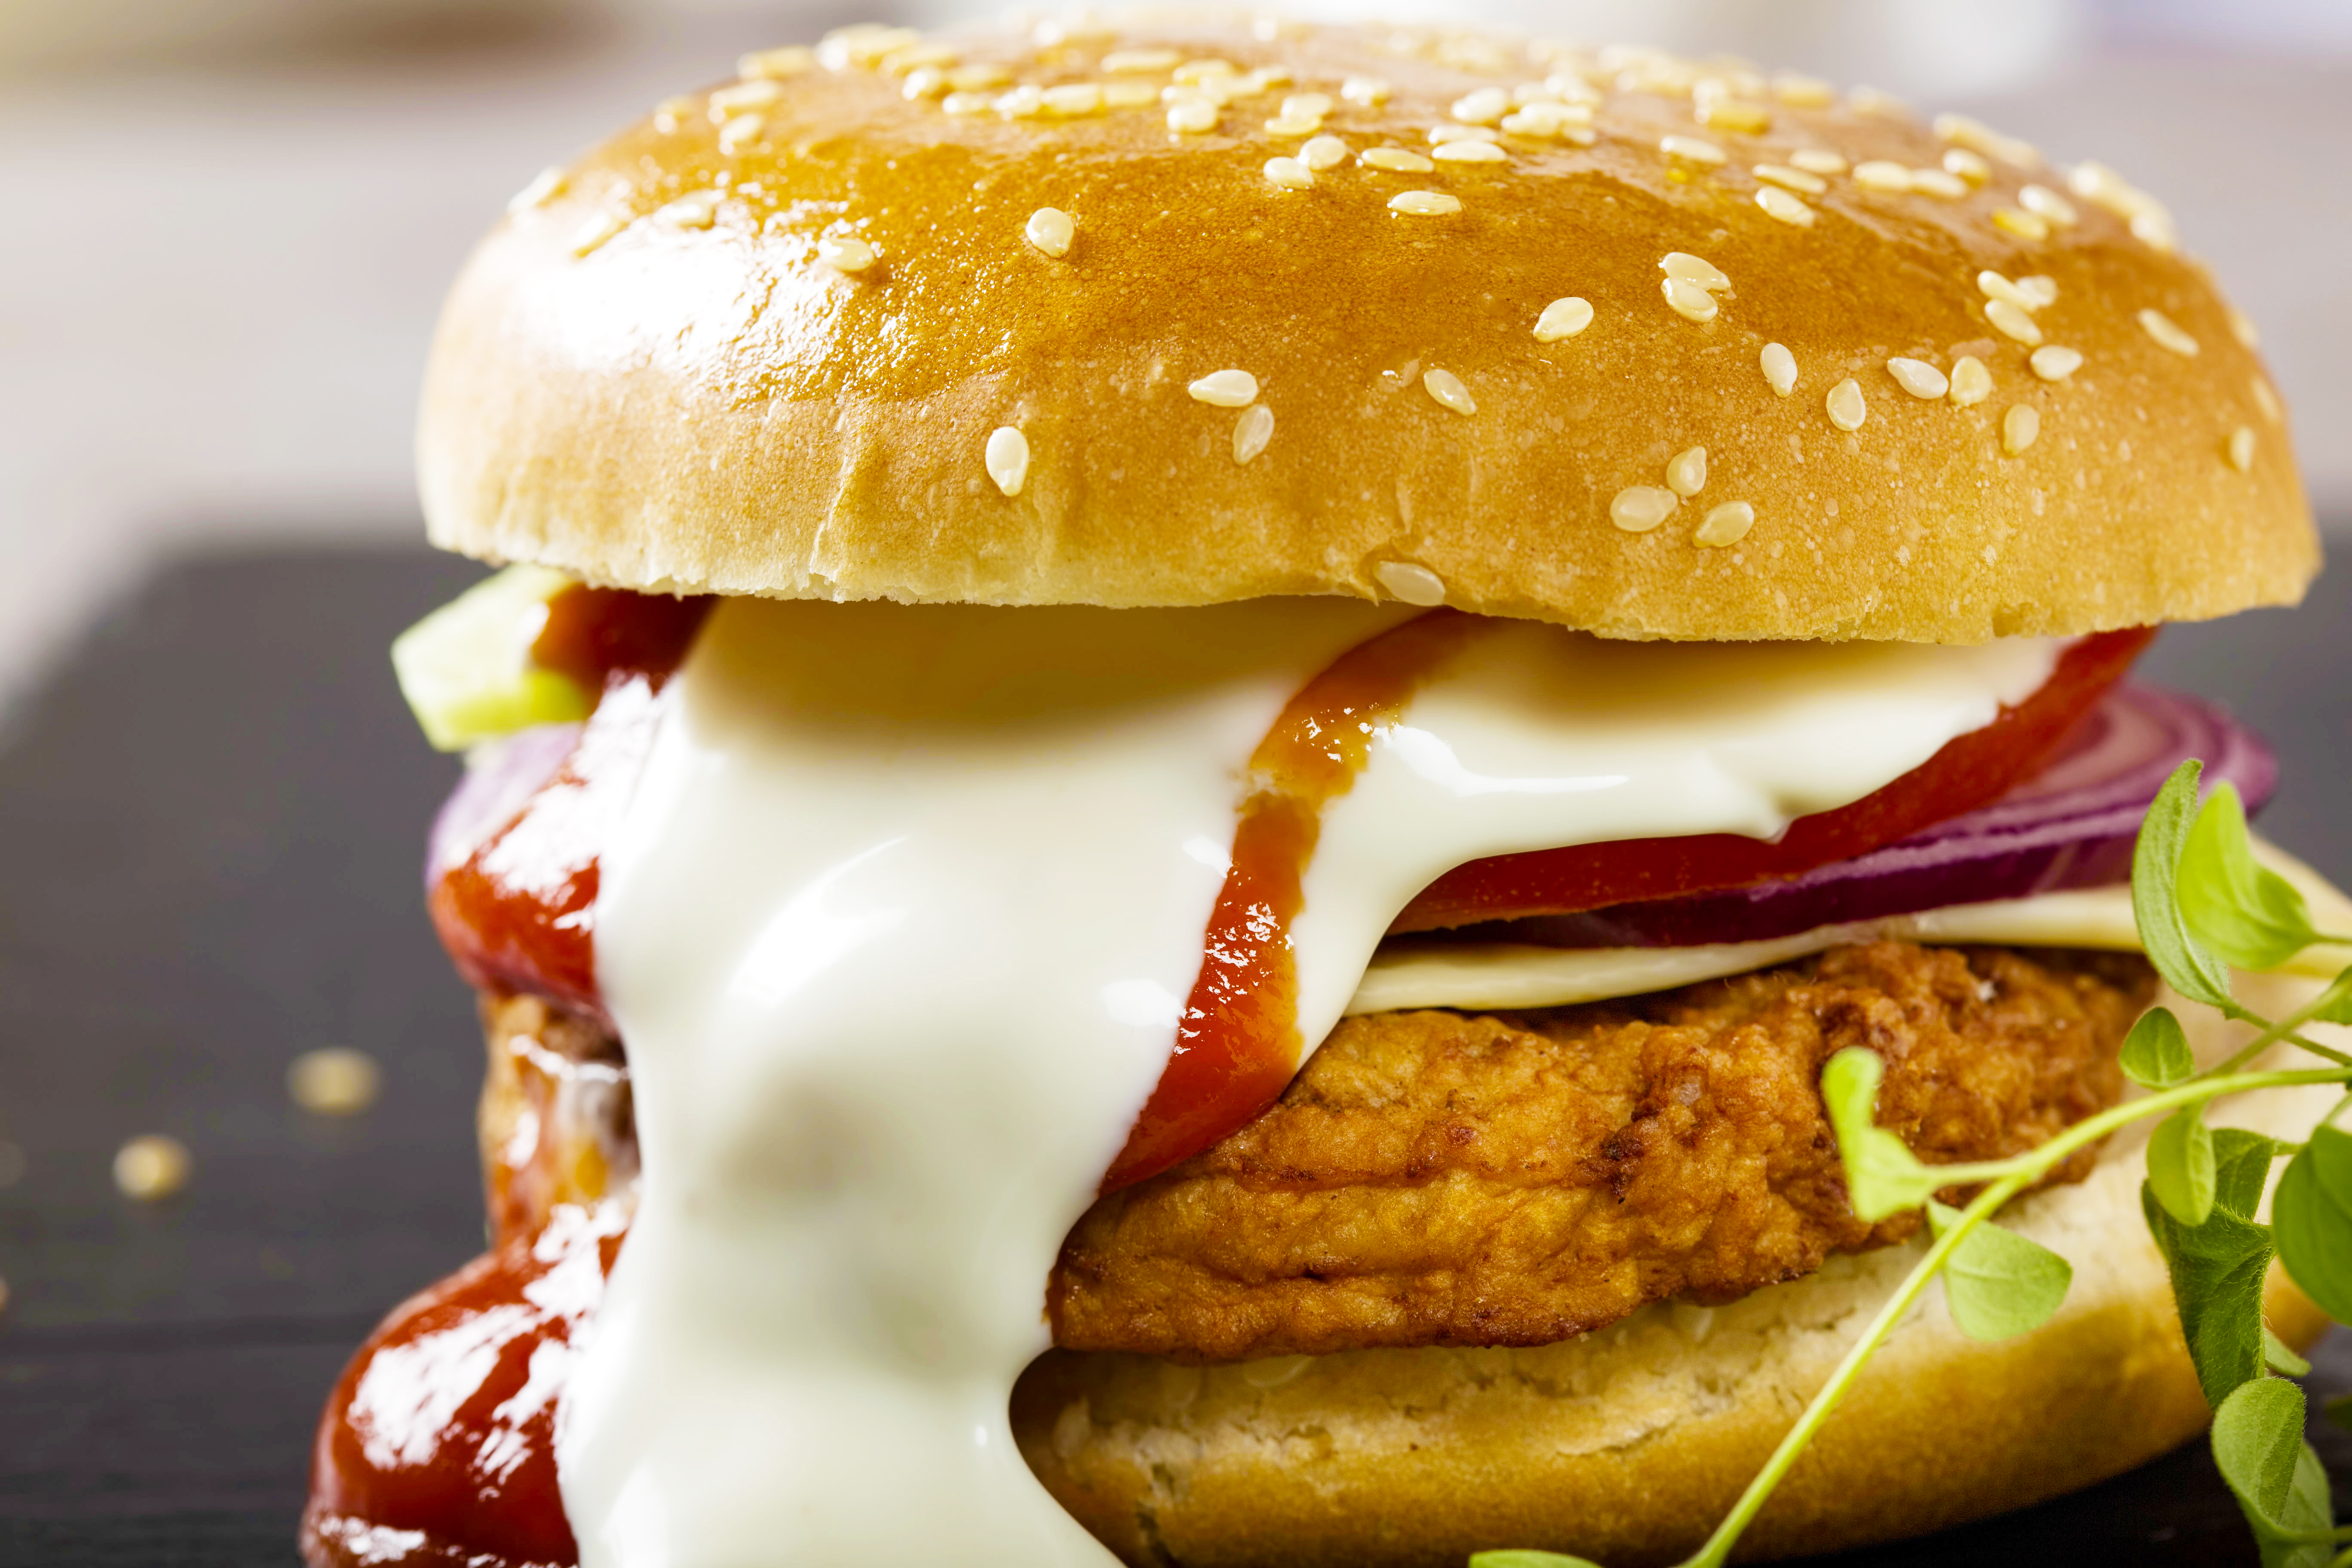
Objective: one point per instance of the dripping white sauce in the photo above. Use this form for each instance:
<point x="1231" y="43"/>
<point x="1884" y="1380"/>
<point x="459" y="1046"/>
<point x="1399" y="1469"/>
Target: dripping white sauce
<point x="898" y="929"/>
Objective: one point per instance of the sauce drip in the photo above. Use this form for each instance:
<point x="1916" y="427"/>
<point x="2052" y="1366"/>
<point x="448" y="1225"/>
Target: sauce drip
<point x="437" y="1445"/>
<point x="1237" y="1042"/>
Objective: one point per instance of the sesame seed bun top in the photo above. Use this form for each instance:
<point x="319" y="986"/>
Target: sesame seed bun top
<point x="1176" y="314"/>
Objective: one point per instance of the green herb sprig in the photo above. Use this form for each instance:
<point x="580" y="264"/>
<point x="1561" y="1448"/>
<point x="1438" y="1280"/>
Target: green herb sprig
<point x="2204" y="905"/>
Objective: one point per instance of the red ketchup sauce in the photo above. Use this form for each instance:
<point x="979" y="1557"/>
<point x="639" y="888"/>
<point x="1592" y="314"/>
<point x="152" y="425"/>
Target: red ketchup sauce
<point x="437" y="1445"/>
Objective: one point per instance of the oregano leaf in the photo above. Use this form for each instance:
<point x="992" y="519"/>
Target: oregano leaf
<point x="2217" y="1271"/>
<point x="2155" y="1053"/>
<point x="2259" y="1448"/>
<point x="2181" y="1170"/>
<point x="2279" y="1357"/>
<point x="2338" y="1009"/>
<point x="2311" y="1215"/>
<point x="2238" y="909"/>
<point x="2241" y="1169"/>
<point x="2185" y="965"/>
<point x="1517" y="1557"/>
<point x="1882" y="1177"/>
<point x="1998" y="1283"/>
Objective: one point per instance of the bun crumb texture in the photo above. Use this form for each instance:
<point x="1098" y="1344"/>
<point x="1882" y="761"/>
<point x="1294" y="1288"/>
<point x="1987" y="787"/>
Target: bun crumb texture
<point x="1180" y="311"/>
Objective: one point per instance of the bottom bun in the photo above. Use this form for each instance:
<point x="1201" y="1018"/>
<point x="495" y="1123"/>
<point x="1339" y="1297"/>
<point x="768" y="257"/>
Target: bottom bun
<point x="1627" y="1445"/>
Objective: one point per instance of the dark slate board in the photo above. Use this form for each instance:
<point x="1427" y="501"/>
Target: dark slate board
<point x="211" y="822"/>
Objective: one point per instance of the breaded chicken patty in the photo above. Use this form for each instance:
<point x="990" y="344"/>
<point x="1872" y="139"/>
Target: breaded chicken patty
<point x="1439" y="1178"/>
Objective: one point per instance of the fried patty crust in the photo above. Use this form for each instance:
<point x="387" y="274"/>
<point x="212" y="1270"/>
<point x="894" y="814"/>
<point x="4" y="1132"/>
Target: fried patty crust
<point x="1438" y="1178"/>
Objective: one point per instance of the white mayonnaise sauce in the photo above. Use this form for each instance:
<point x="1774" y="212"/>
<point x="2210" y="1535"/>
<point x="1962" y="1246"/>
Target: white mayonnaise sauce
<point x="898" y="929"/>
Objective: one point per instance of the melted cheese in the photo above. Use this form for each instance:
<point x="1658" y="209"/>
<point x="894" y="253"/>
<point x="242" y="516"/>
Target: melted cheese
<point x="1500" y="975"/>
<point x="898" y="929"/>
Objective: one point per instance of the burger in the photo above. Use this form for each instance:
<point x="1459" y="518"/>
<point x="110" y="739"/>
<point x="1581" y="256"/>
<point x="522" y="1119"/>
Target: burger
<point x="1195" y="734"/>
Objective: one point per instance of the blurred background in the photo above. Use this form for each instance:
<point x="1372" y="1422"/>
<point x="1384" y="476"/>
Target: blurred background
<point x="234" y="218"/>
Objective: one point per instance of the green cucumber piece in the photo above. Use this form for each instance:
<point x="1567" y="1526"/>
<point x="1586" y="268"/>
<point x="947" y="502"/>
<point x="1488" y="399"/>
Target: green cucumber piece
<point x="467" y="669"/>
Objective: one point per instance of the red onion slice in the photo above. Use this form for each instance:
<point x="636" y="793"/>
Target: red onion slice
<point x="2072" y="826"/>
<point x="501" y="776"/>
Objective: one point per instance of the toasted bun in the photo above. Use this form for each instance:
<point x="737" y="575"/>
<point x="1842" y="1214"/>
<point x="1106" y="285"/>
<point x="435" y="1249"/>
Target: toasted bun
<point x="1627" y="1446"/>
<point x="686" y="397"/>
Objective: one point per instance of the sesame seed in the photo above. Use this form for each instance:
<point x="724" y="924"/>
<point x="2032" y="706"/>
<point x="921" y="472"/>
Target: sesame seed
<point x="1569" y="88"/>
<point x="333" y="1081"/>
<point x="2052" y="362"/>
<point x="1726" y="524"/>
<point x="1972" y="382"/>
<point x="2047" y="204"/>
<point x="2019" y="428"/>
<point x="1691" y="149"/>
<point x="2039" y="291"/>
<point x="1549" y="118"/>
<point x="1266" y="77"/>
<point x="1917" y="377"/>
<point x="1817" y="161"/>
<point x="1803" y="92"/>
<point x="1638" y="508"/>
<point x="1129" y="94"/>
<point x="1027" y="101"/>
<point x="1424" y="203"/>
<point x="732" y="100"/>
<point x="1562" y="319"/>
<point x="1051" y="230"/>
<point x="1689" y="268"/>
<point x="696" y="209"/>
<point x="1288" y="125"/>
<point x="1007" y="456"/>
<point x="1938" y="183"/>
<point x="1074" y="99"/>
<point x="1369" y="91"/>
<point x="599" y="228"/>
<point x="150" y="1168"/>
<point x="1193" y="119"/>
<point x="2011" y="321"/>
<point x="544" y="187"/>
<point x="2242" y="327"/>
<point x="1871" y="100"/>
<point x="1879" y="175"/>
<point x="742" y="128"/>
<point x="1686" y="472"/>
<point x="974" y="79"/>
<point x="1794" y="179"/>
<point x="2168" y="333"/>
<point x="1289" y="174"/>
<point x="1447" y="388"/>
<point x="1778" y="202"/>
<point x="1846" y="408"/>
<point x="1779" y="368"/>
<point x="2268" y="401"/>
<point x="864" y="45"/>
<point x="1441" y="134"/>
<point x="1962" y="164"/>
<point x="845" y="253"/>
<point x="1994" y="286"/>
<point x="1483" y="107"/>
<point x="1737" y="115"/>
<point x="1469" y="152"/>
<point x="1307" y="105"/>
<point x="1201" y="70"/>
<point x="1324" y="153"/>
<point x="1133" y="62"/>
<point x="1252" y="431"/>
<point x="1396" y="159"/>
<point x="2024" y="224"/>
<point x="1410" y="583"/>
<point x="1977" y="136"/>
<point x="782" y="62"/>
<point x="1689" y="300"/>
<point x="2102" y="186"/>
<point x="922" y="84"/>
<point x="967" y="102"/>
<point x="1225" y="389"/>
<point x="2241" y="449"/>
<point x="2155" y="230"/>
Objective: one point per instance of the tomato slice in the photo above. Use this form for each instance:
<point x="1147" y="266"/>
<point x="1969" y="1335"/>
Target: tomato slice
<point x="1234" y="1056"/>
